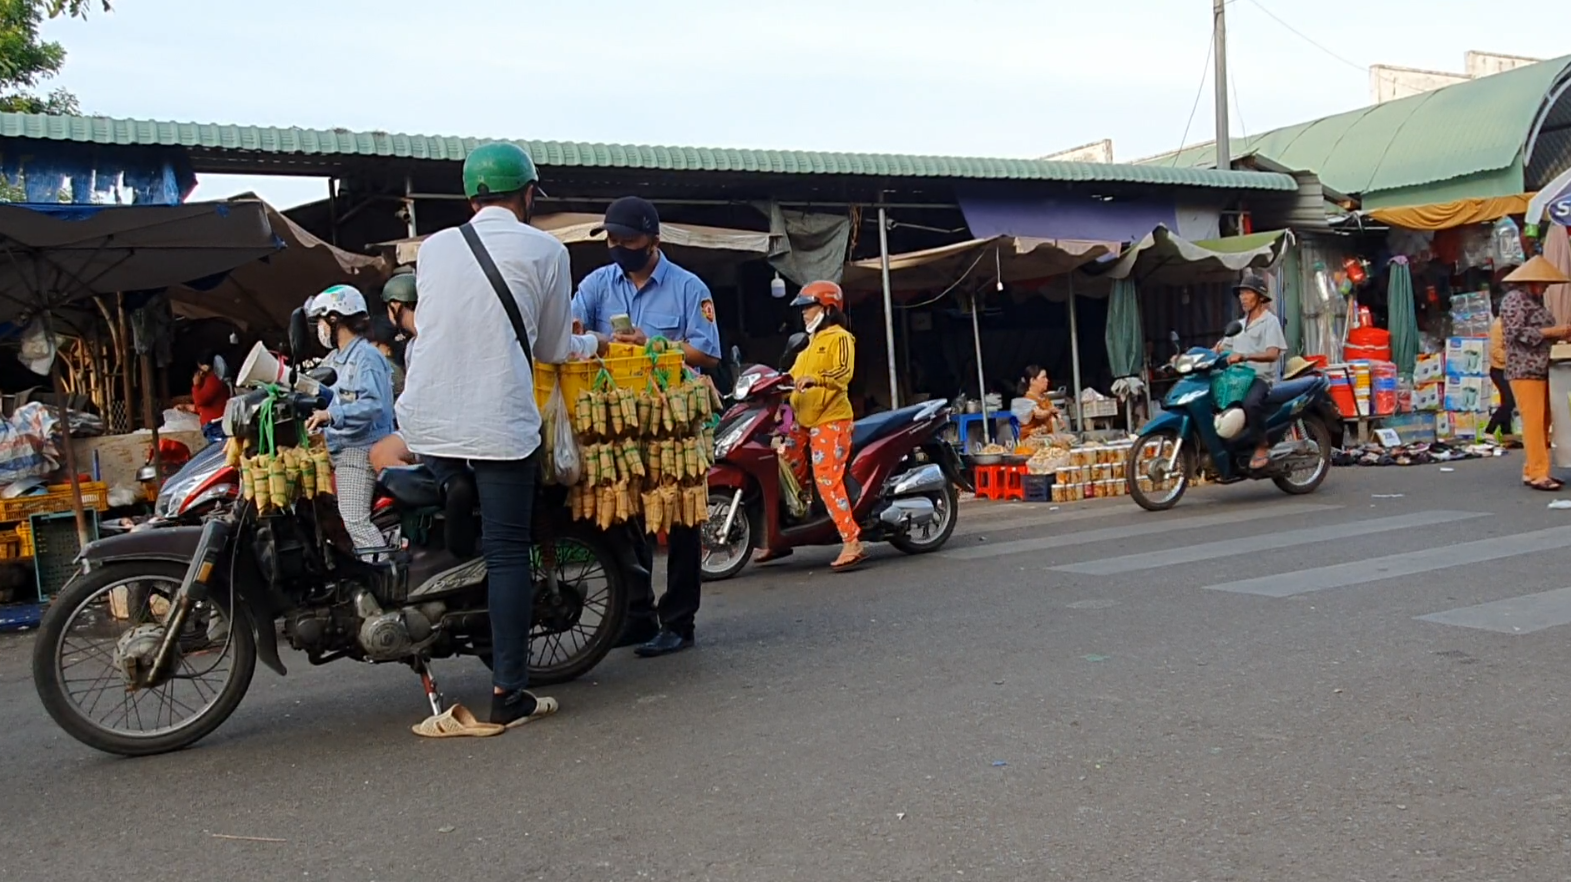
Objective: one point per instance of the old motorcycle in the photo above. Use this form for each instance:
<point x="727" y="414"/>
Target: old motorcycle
<point x="152" y="645"/>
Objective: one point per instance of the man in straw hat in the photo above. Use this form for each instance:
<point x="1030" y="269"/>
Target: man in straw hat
<point x="1530" y="331"/>
<point x="1260" y="346"/>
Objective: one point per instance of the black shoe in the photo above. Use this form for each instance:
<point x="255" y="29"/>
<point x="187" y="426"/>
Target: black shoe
<point x="519" y="707"/>
<point x="665" y="643"/>
<point x="637" y="632"/>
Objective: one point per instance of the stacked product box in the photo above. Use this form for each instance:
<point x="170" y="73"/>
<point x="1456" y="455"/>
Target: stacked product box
<point x="1470" y="314"/>
<point x="1429" y="387"/>
<point x="1468" y="389"/>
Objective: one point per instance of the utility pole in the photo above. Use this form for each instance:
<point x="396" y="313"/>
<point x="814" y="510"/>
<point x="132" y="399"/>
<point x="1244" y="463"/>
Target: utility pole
<point x="1224" y="147"/>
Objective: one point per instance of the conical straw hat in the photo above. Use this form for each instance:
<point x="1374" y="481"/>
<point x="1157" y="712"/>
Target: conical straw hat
<point x="1537" y="270"/>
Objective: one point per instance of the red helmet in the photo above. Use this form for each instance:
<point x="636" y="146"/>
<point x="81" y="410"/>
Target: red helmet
<point x="822" y="293"/>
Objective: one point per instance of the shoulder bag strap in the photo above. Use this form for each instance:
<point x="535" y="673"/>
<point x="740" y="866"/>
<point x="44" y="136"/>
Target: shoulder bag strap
<point x="503" y="293"/>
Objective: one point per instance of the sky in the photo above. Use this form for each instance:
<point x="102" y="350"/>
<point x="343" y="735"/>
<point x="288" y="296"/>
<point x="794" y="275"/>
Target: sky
<point x="1003" y="78"/>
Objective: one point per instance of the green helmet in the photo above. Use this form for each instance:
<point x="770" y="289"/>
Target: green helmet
<point x="400" y="289"/>
<point x="497" y="168"/>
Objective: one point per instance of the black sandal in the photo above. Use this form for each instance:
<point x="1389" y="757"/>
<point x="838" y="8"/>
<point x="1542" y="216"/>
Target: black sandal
<point x="1549" y="485"/>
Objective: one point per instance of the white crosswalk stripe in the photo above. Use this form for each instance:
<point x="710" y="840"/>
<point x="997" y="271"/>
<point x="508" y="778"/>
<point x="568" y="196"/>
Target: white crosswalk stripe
<point x="1513" y="615"/>
<point x="1359" y="572"/>
<point x="1151" y="560"/>
<point x="1147" y="527"/>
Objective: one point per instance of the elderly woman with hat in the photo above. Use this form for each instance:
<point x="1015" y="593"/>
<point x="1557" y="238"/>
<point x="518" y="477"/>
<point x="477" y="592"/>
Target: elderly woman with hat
<point x="1530" y="331"/>
<point x="1259" y="345"/>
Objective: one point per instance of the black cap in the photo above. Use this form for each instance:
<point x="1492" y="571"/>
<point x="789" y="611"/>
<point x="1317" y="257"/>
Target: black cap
<point x="1253" y="281"/>
<point x="630" y="216"/>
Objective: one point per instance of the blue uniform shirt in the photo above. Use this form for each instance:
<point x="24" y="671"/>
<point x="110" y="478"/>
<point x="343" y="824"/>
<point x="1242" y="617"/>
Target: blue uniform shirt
<point x="362" y="407"/>
<point x="674" y="304"/>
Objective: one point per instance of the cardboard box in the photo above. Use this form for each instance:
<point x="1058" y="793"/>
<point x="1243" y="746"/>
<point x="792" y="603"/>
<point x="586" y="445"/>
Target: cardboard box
<point x="1411" y="428"/>
<point x="1465" y="425"/>
<point x="1429" y="368"/>
<point x="1466" y="394"/>
<point x="1467" y="357"/>
<point x="1443" y="429"/>
<point x="1429" y="397"/>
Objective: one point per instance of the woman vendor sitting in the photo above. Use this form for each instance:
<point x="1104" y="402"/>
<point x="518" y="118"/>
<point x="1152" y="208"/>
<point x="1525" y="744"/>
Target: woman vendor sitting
<point x="1045" y="416"/>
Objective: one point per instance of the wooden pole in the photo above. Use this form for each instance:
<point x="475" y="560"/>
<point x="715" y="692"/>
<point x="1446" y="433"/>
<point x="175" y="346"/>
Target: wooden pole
<point x="70" y="454"/>
<point x="148" y="414"/>
<point x="123" y="354"/>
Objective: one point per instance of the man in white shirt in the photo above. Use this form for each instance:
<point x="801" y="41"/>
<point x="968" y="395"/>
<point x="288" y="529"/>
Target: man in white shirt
<point x="469" y="399"/>
<point x="1260" y="346"/>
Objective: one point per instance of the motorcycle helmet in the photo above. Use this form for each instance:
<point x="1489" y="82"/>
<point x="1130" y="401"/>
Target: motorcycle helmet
<point x="1230" y="423"/>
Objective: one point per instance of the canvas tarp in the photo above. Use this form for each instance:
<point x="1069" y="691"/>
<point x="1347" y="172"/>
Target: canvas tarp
<point x="262" y="293"/>
<point x="56" y="254"/>
<point x="1163" y="255"/>
<point x="573" y="228"/>
<point x="1018" y="260"/>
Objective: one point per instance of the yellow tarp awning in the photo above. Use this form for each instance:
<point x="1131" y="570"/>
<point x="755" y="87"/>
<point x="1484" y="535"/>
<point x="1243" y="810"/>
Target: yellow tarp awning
<point x="1444" y="215"/>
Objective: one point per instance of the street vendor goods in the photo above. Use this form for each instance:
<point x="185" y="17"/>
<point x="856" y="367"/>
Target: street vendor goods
<point x="165" y="626"/>
<point x="1194" y="438"/>
<point x="901" y="478"/>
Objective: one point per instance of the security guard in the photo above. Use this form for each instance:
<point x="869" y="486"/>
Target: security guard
<point x="661" y="300"/>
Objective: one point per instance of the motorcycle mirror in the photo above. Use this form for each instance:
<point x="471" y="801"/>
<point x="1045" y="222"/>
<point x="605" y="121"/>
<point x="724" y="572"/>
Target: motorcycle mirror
<point x="736" y="355"/>
<point x="299" y="335"/>
<point x="794" y="344"/>
<point x="324" y="375"/>
<point x="1172" y="336"/>
<point x="1233" y="328"/>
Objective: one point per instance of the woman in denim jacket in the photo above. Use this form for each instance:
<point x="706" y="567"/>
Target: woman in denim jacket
<point x="361" y="412"/>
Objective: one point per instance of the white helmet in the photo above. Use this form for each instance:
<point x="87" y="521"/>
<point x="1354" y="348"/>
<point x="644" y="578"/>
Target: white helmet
<point x="342" y="299"/>
<point x="1230" y="423"/>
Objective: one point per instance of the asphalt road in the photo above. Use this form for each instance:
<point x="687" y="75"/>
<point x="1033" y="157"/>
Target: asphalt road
<point x="1242" y="689"/>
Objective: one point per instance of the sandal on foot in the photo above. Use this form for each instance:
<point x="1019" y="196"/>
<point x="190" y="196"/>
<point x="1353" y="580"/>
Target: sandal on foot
<point x="1548" y="486"/>
<point x="455" y="722"/>
<point x="848" y="561"/>
<point x="545" y="706"/>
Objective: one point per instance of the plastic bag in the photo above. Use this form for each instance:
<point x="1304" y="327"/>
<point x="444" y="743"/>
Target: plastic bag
<point x="564" y="463"/>
<point x="1230" y="386"/>
<point x="1506" y="241"/>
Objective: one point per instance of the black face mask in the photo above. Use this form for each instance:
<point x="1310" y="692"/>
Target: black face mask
<point x="631" y="260"/>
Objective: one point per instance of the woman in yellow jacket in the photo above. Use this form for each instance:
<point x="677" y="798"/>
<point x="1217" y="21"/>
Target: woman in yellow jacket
<point x="821" y="407"/>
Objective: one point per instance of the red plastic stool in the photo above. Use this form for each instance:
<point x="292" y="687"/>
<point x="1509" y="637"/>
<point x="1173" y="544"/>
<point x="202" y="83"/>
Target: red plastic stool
<point x="1014" y="480"/>
<point x="990" y="482"/>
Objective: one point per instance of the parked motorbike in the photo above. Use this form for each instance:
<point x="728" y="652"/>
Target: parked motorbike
<point x="1193" y="436"/>
<point x="153" y="644"/>
<point x="901" y="478"/>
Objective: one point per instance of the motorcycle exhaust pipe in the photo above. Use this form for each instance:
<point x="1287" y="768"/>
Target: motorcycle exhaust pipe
<point x="902" y="514"/>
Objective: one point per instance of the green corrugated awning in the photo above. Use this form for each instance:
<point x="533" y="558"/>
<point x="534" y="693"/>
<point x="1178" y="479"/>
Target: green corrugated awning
<point x="240" y="140"/>
<point x="1163" y="251"/>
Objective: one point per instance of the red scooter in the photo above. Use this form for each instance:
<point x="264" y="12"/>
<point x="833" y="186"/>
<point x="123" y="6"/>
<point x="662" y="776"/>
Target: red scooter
<point x="902" y="478"/>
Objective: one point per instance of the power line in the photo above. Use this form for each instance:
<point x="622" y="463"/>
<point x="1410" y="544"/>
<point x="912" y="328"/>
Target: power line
<point x="1238" y="104"/>
<point x="1204" y="72"/>
<point x="1361" y="68"/>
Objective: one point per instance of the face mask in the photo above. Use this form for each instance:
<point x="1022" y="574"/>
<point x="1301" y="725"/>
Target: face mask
<point x="813" y="323"/>
<point x="629" y="259"/>
<point x="324" y="335"/>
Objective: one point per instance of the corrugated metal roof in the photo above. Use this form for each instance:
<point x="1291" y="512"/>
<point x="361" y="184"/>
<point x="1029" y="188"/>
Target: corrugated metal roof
<point x="1478" y="126"/>
<point x="341" y="142"/>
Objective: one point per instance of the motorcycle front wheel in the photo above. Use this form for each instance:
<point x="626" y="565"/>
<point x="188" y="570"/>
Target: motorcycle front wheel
<point x="1154" y="478"/>
<point x="113" y="617"/>
<point x="725" y="556"/>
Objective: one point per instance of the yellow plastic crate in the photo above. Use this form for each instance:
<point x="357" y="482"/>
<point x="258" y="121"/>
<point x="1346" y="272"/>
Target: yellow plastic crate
<point x="627" y="365"/>
<point x="13" y="546"/>
<point x="95" y="495"/>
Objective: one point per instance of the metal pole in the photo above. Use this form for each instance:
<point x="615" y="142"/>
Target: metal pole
<point x="409" y="204"/>
<point x="1074" y="354"/>
<point x="889" y="308"/>
<point x="1224" y="148"/>
<point x="981" y="376"/>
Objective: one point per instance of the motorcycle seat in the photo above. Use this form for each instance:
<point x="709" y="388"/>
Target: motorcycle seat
<point x="412" y="486"/>
<point x="1286" y="391"/>
<point x="869" y="429"/>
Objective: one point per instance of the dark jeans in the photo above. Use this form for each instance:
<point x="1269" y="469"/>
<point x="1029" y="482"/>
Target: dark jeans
<point x="1254" y="405"/>
<point x="507" y="502"/>
<point x="685" y="554"/>
<point x="1502" y="418"/>
<point x="214" y="431"/>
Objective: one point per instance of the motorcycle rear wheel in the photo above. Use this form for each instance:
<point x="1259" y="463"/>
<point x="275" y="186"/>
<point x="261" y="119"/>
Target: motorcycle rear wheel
<point x="1156" y="447"/>
<point x="110" y="603"/>
<point x="1317" y="431"/>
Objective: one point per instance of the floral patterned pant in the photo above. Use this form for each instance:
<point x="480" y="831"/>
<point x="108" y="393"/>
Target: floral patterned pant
<point x="830" y="447"/>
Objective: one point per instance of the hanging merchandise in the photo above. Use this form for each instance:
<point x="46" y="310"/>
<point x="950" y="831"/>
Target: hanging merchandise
<point x="1506" y="242"/>
<point x="1478" y="250"/>
<point x="1357" y="270"/>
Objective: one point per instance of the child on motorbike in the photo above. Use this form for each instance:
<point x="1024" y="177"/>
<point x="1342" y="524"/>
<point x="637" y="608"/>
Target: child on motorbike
<point x="361" y="412"/>
<point x="821" y="406"/>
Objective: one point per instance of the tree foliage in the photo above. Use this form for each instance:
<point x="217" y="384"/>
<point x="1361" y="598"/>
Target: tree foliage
<point x="25" y="60"/>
